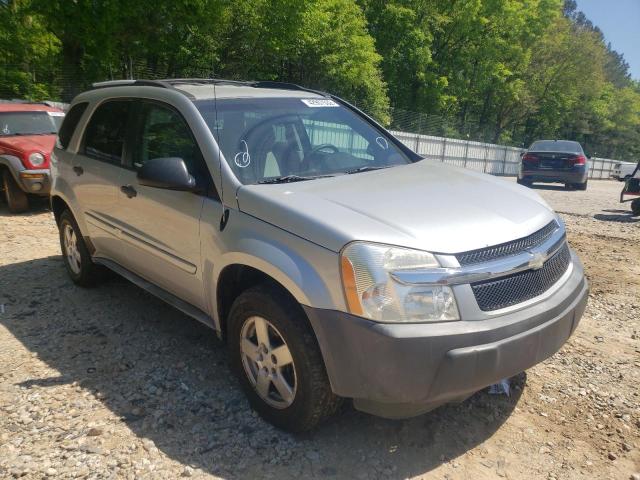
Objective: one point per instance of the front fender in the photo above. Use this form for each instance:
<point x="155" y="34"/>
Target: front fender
<point x="13" y="164"/>
<point x="308" y="271"/>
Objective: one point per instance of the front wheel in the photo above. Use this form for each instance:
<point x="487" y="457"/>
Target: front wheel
<point x="276" y="357"/>
<point x="17" y="200"/>
<point x="635" y="207"/>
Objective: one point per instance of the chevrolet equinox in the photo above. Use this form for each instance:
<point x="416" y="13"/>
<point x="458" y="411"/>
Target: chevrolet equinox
<point x="334" y="261"/>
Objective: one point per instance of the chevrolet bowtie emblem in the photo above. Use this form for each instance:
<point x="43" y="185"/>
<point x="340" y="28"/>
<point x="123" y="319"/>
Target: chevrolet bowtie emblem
<point x="537" y="260"/>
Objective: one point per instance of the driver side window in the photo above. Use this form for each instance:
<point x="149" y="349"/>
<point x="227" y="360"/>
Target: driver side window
<point x="164" y="133"/>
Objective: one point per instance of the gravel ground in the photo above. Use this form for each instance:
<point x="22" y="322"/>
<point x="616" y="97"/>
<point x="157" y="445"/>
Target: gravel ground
<point x="110" y="382"/>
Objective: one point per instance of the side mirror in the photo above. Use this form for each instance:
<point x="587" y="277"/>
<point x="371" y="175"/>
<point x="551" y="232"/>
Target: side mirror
<point x="168" y="173"/>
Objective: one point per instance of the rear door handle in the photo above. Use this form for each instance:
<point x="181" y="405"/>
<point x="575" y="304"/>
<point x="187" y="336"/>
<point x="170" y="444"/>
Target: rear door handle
<point x="79" y="170"/>
<point x="129" y="191"/>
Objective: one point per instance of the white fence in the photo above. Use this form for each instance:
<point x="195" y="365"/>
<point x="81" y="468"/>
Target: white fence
<point x="483" y="157"/>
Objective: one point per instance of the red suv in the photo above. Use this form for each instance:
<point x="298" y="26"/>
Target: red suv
<point x="27" y="136"/>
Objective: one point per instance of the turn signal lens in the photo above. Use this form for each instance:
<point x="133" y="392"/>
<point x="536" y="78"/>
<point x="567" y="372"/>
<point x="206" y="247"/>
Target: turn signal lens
<point x="350" y="289"/>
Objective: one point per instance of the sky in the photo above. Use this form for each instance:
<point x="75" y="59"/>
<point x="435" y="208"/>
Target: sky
<point x="619" y="21"/>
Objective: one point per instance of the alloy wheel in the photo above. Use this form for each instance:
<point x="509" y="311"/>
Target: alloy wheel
<point x="268" y="363"/>
<point x="71" y="249"/>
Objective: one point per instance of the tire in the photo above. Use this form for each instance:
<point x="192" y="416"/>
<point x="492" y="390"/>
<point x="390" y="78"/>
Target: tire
<point x="16" y="199"/>
<point x="635" y="207"/>
<point x="581" y="186"/>
<point x="77" y="259"/>
<point x="310" y="399"/>
<point x="524" y="182"/>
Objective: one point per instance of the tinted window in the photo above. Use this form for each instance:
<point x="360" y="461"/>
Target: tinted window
<point x="556" y="146"/>
<point x="104" y="138"/>
<point x="270" y="137"/>
<point x="70" y="123"/>
<point x="164" y="133"/>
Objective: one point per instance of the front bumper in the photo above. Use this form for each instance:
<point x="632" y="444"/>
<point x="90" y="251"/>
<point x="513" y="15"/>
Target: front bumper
<point x="575" y="175"/>
<point x="36" y="182"/>
<point x="402" y="370"/>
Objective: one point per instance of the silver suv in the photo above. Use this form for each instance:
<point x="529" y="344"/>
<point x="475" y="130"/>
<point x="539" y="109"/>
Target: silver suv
<point x="336" y="262"/>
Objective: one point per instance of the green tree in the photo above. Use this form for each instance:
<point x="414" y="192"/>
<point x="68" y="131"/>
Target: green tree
<point x="27" y="53"/>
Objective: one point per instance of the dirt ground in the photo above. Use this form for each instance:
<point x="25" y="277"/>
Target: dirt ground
<point x="110" y="382"/>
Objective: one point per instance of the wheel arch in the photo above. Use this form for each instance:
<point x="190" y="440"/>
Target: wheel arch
<point x="59" y="205"/>
<point x="237" y="277"/>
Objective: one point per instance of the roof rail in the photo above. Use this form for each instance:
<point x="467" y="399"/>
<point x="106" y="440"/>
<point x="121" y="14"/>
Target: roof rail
<point x="285" y="86"/>
<point x="172" y="82"/>
<point x="205" y="81"/>
<point x="131" y="83"/>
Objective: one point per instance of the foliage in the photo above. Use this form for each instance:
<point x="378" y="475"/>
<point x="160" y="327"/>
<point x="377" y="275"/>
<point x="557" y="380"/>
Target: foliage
<point x="506" y="71"/>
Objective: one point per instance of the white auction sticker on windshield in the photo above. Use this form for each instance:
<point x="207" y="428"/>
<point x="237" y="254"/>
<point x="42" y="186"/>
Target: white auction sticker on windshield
<point x="319" y="102"/>
<point x="56" y="114"/>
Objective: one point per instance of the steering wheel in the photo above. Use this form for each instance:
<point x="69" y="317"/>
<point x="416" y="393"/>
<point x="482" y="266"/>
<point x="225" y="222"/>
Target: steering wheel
<point x="324" y="146"/>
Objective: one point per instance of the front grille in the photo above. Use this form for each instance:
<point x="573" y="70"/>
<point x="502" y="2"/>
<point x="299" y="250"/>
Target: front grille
<point x="509" y="248"/>
<point x="522" y="286"/>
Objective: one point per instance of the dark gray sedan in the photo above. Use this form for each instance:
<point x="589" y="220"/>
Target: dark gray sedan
<point x="555" y="161"/>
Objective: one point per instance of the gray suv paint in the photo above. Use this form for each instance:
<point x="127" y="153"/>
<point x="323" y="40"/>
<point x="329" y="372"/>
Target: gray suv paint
<point x="336" y="262"/>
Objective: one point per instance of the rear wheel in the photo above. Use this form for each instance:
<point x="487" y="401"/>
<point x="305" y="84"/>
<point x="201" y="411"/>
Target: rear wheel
<point x="635" y="207"/>
<point x="276" y="357"/>
<point x="76" y="257"/>
<point x="581" y="186"/>
<point x="17" y="200"/>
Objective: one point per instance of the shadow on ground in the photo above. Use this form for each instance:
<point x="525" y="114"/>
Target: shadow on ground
<point x="166" y="377"/>
<point x="616" y="215"/>
<point x="37" y="205"/>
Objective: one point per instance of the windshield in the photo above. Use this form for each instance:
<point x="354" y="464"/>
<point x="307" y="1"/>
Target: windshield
<point x="29" y="123"/>
<point x="556" y="146"/>
<point x="295" y="138"/>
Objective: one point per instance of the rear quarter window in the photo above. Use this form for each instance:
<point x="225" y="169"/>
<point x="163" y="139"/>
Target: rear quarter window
<point x="69" y="124"/>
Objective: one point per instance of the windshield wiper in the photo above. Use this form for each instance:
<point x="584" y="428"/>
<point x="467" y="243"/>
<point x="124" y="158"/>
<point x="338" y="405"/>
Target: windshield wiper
<point x="366" y="168"/>
<point x="291" y="178"/>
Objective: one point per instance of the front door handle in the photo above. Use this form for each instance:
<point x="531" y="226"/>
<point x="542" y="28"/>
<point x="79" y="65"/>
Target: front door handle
<point x="129" y="191"/>
<point x="79" y="170"/>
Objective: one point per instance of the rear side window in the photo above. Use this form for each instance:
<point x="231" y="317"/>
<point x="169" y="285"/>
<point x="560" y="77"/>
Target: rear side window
<point x="70" y="123"/>
<point x="105" y="135"/>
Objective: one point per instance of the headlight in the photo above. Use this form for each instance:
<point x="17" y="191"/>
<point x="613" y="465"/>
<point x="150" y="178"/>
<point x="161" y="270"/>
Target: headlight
<point x="36" y="159"/>
<point x="372" y="292"/>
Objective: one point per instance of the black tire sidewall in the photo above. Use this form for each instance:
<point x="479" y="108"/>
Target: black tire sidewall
<point x="311" y="378"/>
<point x="16" y="199"/>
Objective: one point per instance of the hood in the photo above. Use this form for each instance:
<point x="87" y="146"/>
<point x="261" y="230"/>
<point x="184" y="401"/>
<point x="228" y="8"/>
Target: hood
<point x="29" y="143"/>
<point x="426" y="205"/>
